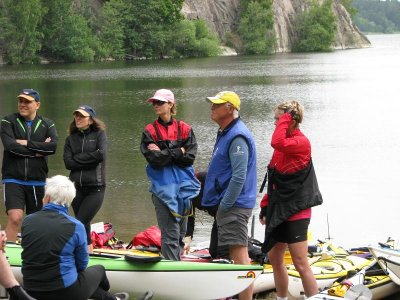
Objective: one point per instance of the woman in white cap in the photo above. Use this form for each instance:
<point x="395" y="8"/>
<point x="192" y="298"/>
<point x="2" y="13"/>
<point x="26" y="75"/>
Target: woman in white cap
<point x="170" y="148"/>
<point x="85" y="156"/>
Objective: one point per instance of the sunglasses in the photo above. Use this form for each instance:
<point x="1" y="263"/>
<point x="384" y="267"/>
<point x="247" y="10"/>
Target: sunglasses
<point x="158" y="102"/>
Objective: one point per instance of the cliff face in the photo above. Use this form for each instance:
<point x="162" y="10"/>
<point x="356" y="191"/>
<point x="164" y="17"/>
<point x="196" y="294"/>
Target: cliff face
<point x="223" y="16"/>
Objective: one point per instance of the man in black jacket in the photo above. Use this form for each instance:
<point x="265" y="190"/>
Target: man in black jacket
<point x="27" y="139"/>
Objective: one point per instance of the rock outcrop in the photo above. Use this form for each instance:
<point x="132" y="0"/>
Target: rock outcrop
<point x="223" y="16"/>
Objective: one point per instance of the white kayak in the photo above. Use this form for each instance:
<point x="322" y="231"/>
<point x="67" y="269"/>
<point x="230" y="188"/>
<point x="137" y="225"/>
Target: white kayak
<point x="389" y="260"/>
<point x="166" y="279"/>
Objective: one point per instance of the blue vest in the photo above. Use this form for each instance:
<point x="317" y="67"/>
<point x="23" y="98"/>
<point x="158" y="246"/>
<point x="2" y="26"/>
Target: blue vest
<point x="220" y="170"/>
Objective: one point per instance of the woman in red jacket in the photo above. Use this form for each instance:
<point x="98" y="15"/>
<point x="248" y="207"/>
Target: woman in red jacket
<point x="292" y="191"/>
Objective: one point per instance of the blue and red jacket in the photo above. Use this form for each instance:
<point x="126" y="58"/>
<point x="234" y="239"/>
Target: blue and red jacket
<point x="170" y="171"/>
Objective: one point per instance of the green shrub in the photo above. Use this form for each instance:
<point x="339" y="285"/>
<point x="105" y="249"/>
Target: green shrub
<point x="255" y="23"/>
<point x="315" y="29"/>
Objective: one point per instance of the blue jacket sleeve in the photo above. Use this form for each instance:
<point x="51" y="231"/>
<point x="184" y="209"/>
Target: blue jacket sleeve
<point x="239" y="156"/>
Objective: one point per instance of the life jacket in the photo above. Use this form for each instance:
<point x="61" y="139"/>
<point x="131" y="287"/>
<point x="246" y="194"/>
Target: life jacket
<point x="169" y="136"/>
<point x="174" y="185"/>
<point x="148" y="238"/>
<point x="104" y="239"/>
<point x="220" y="170"/>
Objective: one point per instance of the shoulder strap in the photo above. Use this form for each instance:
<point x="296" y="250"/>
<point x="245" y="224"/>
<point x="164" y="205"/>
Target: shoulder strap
<point x="179" y="130"/>
<point x="157" y="131"/>
<point x="263" y="182"/>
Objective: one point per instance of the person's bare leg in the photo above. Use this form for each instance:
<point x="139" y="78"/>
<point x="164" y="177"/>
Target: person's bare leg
<point x="240" y="256"/>
<point x="299" y="252"/>
<point x="7" y="278"/>
<point x="276" y="258"/>
<point x="13" y="223"/>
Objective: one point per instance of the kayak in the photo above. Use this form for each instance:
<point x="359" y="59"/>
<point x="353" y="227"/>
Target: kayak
<point x="166" y="279"/>
<point x="373" y="278"/>
<point x="327" y="269"/>
<point x="389" y="260"/>
<point x="265" y="281"/>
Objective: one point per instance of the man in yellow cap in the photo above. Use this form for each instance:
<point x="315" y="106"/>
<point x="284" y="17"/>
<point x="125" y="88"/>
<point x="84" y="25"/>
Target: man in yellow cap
<point x="230" y="188"/>
<point x="27" y="139"/>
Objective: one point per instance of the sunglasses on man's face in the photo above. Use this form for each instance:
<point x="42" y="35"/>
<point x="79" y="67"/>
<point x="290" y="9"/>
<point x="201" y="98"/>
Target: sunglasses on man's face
<point x="158" y="102"/>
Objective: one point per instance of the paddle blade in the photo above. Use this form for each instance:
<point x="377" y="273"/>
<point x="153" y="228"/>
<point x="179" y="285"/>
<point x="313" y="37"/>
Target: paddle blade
<point x="142" y="259"/>
<point x="359" y="292"/>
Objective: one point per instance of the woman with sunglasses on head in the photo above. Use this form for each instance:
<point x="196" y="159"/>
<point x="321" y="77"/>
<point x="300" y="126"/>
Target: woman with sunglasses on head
<point x="170" y="148"/>
<point x="292" y="191"/>
<point x="85" y="156"/>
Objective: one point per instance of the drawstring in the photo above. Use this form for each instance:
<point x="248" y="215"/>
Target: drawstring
<point x="34" y="193"/>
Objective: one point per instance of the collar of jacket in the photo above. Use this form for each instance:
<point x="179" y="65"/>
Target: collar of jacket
<point x="165" y="124"/>
<point x="227" y="128"/>
<point x="24" y="120"/>
<point x="56" y="207"/>
<point x="86" y="131"/>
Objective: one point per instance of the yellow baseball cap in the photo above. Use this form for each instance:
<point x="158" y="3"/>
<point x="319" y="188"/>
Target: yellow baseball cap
<point x="226" y="97"/>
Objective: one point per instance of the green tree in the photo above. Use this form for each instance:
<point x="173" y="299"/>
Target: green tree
<point x="110" y="27"/>
<point x="348" y="5"/>
<point x="193" y="38"/>
<point x="20" y="34"/>
<point x="377" y="16"/>
<point x="208" y="42"/>
<point x="315" y="28"/>
<point x="67" y="34"/>
<point x="255" y="24"/>
<point x="145" y="23"/>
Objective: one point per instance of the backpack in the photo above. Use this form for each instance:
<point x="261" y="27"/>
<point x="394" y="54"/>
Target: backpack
<point x="150" y="237"/>
<point x="104" y="239"/>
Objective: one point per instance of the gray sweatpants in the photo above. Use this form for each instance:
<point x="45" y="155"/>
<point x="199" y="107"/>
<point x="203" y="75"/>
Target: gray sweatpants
<point x="172" y="231"/>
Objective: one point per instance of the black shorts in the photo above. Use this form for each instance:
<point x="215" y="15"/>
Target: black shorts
<point x="291" y="231"/>
<point x="18" y="196"/>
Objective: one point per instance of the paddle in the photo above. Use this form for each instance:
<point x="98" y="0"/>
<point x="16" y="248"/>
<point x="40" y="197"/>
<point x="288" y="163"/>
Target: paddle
<point x="142" y="259"/>
<point x="104" y="255"/>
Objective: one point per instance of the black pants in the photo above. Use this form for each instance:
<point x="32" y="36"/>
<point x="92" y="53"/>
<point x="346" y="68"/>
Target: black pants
<point x="86" y="204"/>
<point x="91" y="283"/>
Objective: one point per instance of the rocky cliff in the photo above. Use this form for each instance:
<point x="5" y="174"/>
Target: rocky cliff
<point x="223" y="16"/>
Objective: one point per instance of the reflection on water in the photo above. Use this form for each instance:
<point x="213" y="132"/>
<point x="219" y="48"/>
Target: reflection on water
<point x="351" y="101"/>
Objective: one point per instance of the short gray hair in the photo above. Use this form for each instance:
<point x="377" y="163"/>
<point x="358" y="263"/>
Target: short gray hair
<point x="60" y="190"/>
<point x="235" y="113"/>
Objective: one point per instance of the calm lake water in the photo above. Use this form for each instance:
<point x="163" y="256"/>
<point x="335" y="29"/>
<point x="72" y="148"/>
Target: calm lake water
<point x="352" y="104"/>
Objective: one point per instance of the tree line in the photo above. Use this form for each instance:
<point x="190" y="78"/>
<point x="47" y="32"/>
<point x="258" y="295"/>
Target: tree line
<point x="70" y="30"/>
<point x="377" y="16"/>
<point x="75" y="31"/>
